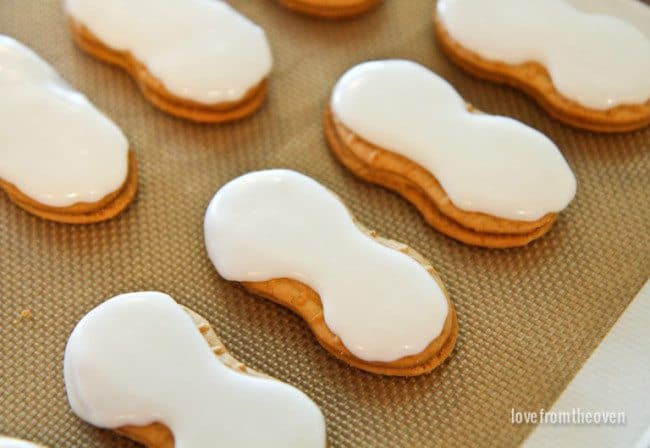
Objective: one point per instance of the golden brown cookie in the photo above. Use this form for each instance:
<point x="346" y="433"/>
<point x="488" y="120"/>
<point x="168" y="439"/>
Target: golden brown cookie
<point x="330" y="9"/>
<point x="155" y="91"/>
<point x="418" y="186"/>
<point x="533" y="79"/>
<point x="81" y="213"/>
<point x="62" y="159"/>
<point x="387" y="312"/>
<point x="144" y="366"/>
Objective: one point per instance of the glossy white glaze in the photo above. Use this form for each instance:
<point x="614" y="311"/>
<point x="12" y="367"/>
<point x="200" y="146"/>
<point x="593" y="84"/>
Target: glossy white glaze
<point x="600" y="61"/>
<point x="381" y="303"/>
<point x="138" y="358"/>
<point x="201" y="50"/>
<point x="55" y="146"/>
<point x="485" y="163"/>
<point x="634" y="12"/>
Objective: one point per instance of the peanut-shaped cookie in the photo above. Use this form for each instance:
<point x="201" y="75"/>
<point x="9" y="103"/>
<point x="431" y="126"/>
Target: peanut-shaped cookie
<point x="374" y="303"/>
<point x="60" y="157"/>
<point x="587" y="68"/>
<point x="156" y="372"/>
<point x="481" y="179"/>
<point x="195" y="59"/>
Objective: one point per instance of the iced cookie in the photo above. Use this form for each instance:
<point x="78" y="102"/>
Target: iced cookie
<point x="589" y="70"/>
<point x="60" y="158"/>
<point x="7" y="442"/>
<point x="374" y="303"/>
<point x="155" y="371"/>
<point x="482" y="179"/>
<point x="330" y="9"/>
<point x="196" y="59"/>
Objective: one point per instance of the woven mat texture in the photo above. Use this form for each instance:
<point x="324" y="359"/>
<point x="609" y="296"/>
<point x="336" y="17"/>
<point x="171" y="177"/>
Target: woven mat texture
<point x="528" y="317"/>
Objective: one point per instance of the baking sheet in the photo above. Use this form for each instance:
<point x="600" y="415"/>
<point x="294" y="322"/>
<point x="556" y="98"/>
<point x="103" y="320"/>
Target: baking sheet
<point x="528" y="317"/>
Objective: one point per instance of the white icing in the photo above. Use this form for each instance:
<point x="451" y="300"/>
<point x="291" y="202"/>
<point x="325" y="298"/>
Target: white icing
<point x="202" y="50"/>
<point x="634" y="12"/>
<point x="485" y="163"/>
<point x="138" y="358"/>
<point x="6" y="442"/>
<point x="55" y="146"/>
<point x="599" y="61"/>
<point x="381" y="303"/>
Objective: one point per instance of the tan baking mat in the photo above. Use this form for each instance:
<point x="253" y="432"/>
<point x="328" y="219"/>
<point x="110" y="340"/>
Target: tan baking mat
<point x="528" y="317"/>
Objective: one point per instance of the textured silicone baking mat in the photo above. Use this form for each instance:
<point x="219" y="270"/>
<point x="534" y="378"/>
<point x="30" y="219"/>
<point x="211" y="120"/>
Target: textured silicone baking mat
<point x="528" y="317"/>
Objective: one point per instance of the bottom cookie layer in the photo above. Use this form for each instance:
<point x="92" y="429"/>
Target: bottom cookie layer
<point x="329" y="9"/>
<point x="511" y="233"/>
<point x="81" y="213"/>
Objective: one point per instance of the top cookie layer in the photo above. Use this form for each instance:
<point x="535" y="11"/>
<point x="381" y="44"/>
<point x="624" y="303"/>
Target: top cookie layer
<point x="272" y="224"/>
<point x="598" y="61"/>
<point x="138" y="358"/>
<point x="55" y="146"/>
<point x="201" y="50"/>
<point x="485" y="163"/>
